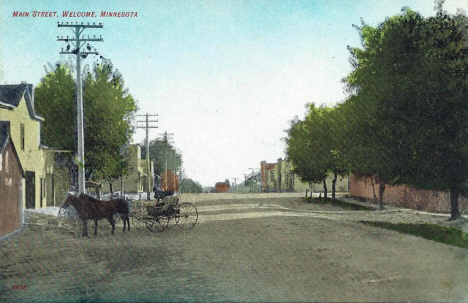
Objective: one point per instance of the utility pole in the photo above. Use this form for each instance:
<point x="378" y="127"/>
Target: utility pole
<point x="175" y="169"/>
<point x="235" y="184"/>
<point x="78" y="42"/>
<point x="245" y="182"/>
<point x="253" y="175"/>
<point x="149" y="178"/>
<point x="181" y="177"/>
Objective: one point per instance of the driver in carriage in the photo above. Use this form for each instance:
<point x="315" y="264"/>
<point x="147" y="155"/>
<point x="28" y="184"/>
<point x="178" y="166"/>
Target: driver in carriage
<point x="158" y="193"/>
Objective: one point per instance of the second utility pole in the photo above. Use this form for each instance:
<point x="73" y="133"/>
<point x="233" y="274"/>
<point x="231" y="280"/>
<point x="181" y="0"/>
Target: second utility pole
<point x="149" y="178"/>
<point x="166" y="138"/>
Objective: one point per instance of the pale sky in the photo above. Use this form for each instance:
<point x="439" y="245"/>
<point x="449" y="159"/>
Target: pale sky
<point x="225" y="77"/>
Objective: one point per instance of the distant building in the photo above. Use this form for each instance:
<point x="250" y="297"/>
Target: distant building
<point x="268" y="176"/>
<point x="280" y="177"/>
<point x="135" y="181"/>
<point x="221" y="187"/>
<point x="169" y="181"/>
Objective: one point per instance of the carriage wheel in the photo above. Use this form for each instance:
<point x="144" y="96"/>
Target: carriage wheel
<point x="172" y="218"/>
<point x="187" y="216"/>
<point x="139" y="223"/>
<point x="155" y="225"/>
<point x="139" y="214"/>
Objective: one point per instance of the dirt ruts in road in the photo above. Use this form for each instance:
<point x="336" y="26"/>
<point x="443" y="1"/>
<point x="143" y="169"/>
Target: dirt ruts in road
<point x="287" y="251"/>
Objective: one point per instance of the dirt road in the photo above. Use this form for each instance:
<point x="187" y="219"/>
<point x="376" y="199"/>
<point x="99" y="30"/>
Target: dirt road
<point x="277" y="249"/>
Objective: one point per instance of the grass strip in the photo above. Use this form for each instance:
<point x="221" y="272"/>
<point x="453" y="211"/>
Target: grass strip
<point x="338" y="203"/>
<point x="433" y="232"/>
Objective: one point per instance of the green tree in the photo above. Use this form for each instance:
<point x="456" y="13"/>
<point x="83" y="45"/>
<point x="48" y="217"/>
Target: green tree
<point x="297" y="151"/>
<point x="107" y="125"/>
<point x="410" y="83"/>
<point x="360" y="143"/>
<point x="308" y="148"/>
<point x="338" y="164"/>
<point x="190" y="186"/>
<point x="313" y="146"/>
<point x="161" y="150"/>
<point x="55" y="101"/>
<point x="107" y="114"/>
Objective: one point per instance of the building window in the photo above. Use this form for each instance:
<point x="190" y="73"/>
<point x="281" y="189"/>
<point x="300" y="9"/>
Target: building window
<point x="22" y="136"/>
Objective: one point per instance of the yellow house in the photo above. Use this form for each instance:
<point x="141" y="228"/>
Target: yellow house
<point x="17" y="107"/>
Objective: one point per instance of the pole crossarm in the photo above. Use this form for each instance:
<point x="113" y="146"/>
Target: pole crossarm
<point x="81" y="53"/>
<point x="81" y="39"/>
<point x="77" y="25"/>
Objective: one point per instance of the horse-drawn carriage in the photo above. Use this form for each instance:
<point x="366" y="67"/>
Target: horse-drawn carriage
<point x="165" y="214"/>
<point x="77" y="209"/>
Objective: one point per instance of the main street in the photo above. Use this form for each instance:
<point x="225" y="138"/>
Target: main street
<point x="244" y="249"/>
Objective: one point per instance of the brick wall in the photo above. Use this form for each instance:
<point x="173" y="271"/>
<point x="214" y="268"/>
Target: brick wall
<point x="404" y="196"/>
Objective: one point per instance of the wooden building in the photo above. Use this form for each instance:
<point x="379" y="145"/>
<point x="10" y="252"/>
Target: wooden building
<point x="11" y="185"/>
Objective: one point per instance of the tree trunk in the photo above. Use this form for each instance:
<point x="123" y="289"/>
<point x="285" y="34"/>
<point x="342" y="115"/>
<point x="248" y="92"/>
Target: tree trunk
<point x="325" y="189"/>
<point x="381" y="193"/>
<point x="335" y="176"/>
<point x="373" y="188"/>
<point x="110" y="188"/>
<point x="454" y="211"/>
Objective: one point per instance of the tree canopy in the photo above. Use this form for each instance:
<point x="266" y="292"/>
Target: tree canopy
<point x="312" y="146"/>
<point x="55" y="101"/>
<point x="107" y="125"/>
<point x="161" y="150"/>
<point x="404" y="121"/>
<point x="411" y="80"/>
<point x="108" y="109"/>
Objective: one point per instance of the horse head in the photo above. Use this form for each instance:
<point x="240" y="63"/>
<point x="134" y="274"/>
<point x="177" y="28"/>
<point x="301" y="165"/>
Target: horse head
<point x="70" y="200"/>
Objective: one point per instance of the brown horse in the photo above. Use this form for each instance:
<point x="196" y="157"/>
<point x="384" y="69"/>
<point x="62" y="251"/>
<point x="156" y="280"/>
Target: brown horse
<point x="90" y="208"/>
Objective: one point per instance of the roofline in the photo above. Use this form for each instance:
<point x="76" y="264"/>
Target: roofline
<point x="55" y="149"/>
<point x="15" y="154"/>
<point x="7" y="106"/>
<point x="39" y="118"/>
<point x="30" y="104"/>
